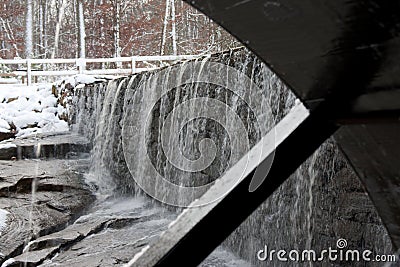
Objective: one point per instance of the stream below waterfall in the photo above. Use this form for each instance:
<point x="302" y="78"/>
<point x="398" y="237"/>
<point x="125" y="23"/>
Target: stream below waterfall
<point x="119" y="228"/>
<point x="107" y="230"/>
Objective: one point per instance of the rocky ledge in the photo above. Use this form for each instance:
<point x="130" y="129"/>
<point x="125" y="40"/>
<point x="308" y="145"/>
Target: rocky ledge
<point x="51" y="145"/>
<point x="39" y="197"/>
<point x="109" y="234"/>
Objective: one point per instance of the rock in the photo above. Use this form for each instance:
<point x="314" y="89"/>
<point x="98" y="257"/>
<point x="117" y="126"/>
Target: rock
<point x="54" y="90"/>
<point x="32" y="258"/>
<point x="32" y="125"/>
<point x="11" y="99"/>
<point x="55" y="145"/>
<point x="8" y="135"/>
<point x="110" y="234"/>
<point x="60" y="196"/>
<point x="8" y="151"/>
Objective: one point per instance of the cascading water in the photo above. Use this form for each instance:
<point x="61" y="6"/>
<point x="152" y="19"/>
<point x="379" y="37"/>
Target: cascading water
<point x="322" y="202"/>
<point x="108" y="172"/>
<point x="97" y="117"/>
<point x="312" y="173"/>
<point x="159" y="124"/>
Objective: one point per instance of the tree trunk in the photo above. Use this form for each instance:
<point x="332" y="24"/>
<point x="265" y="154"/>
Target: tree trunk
<point x="164" y="34"/>
<point x="173" y="31"/>
<point x="81" y="30"/>
<point x="117" y="16"/>
<point x="42" y="28"/>
<point x="29" y="29"/>
<point x="58" y="28"/>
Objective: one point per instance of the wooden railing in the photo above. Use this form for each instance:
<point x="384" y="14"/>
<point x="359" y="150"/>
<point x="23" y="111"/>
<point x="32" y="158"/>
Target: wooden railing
<point x="26" y="68"/>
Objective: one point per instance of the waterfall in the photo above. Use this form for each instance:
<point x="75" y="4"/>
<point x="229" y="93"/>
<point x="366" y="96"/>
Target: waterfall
<point x="184" y="126"/>
<point x="171" y="133"/>
<point x="97" y="117"/>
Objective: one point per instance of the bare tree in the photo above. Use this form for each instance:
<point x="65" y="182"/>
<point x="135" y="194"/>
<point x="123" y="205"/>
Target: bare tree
<point x="173" y="31"/>
<point x="9" y="32"/>
<point x="117" y="28"/>
<point x="58" y="27"/>
<point x="42" y="28"/>
<point x="81" y="30"/>
<point x="29" y="29"/>
<point x="117" y="25"/>
<point x="165" y="25"/>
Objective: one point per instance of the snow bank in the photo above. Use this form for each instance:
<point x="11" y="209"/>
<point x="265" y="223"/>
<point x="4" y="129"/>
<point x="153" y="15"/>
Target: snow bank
<point x="28" y="110"/>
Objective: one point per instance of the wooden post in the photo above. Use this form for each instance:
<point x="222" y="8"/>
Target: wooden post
<point x="81" y="64"/>
<point x="29" y="72"/>
<point x="133" y="63"/>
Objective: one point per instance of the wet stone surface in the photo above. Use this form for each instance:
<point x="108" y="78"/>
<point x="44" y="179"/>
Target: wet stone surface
<point x="110" y="234"/>
<point x="54" y="219"/>
<point x="40" y="197"/>
<point x="52" y="145"/>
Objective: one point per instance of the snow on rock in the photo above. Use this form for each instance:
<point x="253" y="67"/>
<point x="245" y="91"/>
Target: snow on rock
<point x="64" y="89"/>
<point x="28" y="110"/>
<point x="4" y="126"/>
<point x="5" y="146"/>
<point x="8" y="262"/>
<point x="80" y="79"/>
<point x="57" y="126"/>
<point x="3" y="219"/>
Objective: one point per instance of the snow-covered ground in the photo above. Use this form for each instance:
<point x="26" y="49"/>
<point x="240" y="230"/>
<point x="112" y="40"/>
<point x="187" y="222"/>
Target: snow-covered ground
<point x="30" y="109"/>
<point x="27" y="110"/>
